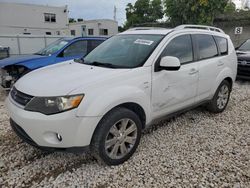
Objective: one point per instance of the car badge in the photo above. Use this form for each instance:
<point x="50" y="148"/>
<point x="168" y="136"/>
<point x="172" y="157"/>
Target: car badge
<point x="244" y="63"/>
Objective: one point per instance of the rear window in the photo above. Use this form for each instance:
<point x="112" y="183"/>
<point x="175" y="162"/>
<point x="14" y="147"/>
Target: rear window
<point x="222" y="44"/>
<point x="206" y="46"/>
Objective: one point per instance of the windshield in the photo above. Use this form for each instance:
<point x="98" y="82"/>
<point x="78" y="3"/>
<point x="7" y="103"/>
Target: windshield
<point x="125" y="51"/>
<point x="245" y="46"/>
<point x="53" y="47"/>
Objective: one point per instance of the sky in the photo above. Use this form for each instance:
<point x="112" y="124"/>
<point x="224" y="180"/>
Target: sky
<point x="92" y="9"/>
<point x="87" y="9"/>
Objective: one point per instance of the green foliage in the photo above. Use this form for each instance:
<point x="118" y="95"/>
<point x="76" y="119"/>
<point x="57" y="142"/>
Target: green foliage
<point x="80" y="20"/>
<point x="72" y="20"/>
<point x="193" y="11"/>
<point x="230" y="8"/>
<point x="143" y="11"/>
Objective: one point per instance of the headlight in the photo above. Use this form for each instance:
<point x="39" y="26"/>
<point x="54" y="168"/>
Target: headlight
<point x="54" y="105"/>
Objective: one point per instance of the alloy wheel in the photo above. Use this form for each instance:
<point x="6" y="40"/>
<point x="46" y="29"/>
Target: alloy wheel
<point x="121" y="138"/>
<point x="223" y="96"/>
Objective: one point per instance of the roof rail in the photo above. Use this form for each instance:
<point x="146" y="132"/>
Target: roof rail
<point x="144" y="28"/>
<point x="210" y="28"/>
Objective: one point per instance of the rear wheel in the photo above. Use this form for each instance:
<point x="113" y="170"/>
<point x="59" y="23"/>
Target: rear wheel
<point x="221" y="98"/>
<point x="116" y="137"/>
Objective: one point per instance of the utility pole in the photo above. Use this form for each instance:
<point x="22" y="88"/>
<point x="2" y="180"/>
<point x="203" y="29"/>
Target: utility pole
<point x="115" y="10"/>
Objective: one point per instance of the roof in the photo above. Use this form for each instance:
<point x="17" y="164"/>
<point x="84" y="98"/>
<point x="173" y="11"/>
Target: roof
<point x="154" y="31"/>
<point x="165" y="31"/>
<point x="34" y="5"/>
<point x="93" y="21"/>
<point x="88" y="38"/>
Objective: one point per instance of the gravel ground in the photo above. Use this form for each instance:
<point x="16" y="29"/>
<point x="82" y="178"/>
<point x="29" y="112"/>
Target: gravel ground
<point x="195" y="149"/>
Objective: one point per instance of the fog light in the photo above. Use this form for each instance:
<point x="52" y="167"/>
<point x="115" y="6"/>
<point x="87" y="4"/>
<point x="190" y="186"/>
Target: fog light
<point x="59" y="137"/>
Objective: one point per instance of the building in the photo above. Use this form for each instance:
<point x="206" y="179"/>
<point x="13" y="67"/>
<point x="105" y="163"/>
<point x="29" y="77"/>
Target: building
<point x="100" y="27"/>
<point x="241" y="4"/>
<point x="29" y="19"/>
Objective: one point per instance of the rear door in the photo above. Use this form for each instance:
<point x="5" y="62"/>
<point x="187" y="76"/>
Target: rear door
<point x="75" y="50"/>
<point x="210" y="63"/>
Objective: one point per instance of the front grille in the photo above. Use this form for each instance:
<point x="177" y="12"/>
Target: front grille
<point x="244" y="63"/>
<point x="244" y="70"/>
<point x="19" y="97"/>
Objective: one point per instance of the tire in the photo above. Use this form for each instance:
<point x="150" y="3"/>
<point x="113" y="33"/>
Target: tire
<point x="118" y="119"/>
<point x="219" y="102"/>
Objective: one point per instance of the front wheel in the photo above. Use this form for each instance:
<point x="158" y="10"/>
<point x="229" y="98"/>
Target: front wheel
<point x="221" y="98"/>
<point x="116" y="137"/>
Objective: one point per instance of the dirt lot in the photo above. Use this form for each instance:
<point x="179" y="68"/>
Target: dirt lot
<point x="196" y="149"/>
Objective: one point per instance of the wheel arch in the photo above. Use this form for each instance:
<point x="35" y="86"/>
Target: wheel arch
<point x="225" y="74"/>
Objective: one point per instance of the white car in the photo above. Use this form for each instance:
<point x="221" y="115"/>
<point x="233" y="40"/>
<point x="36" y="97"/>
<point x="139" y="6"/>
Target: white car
<point x="104" y="101"/>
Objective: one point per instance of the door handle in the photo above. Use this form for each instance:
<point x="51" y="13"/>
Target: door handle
<point x="193" y="71"/>
<point x="220" y="63"/>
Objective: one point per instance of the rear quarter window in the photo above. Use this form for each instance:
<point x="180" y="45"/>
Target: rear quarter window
<point x="222" y="44"/>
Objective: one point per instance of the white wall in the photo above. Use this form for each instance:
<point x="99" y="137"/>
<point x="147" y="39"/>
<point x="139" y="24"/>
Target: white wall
<point x="19" y="18"/>
<point x="25" y="44"/>
<point x="111" y="25"/>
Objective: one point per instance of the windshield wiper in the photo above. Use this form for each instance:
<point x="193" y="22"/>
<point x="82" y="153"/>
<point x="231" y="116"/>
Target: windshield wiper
<point x="109" y="65"/>
<point x="42" y="54"/>
<point x="80" y="60"/>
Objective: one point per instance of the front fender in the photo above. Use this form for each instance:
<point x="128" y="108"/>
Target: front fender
<point x="99" y="103"/>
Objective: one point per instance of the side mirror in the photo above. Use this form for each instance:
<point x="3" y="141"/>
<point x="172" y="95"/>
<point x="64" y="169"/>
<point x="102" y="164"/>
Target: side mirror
<point x="170" y="63"/>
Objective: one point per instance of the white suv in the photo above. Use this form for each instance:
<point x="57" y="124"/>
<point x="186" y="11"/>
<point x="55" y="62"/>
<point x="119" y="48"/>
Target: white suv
<point x="104" y="101"/>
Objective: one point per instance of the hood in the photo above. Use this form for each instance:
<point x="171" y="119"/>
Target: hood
<point x="239" y="52"/>
<point x="19" y="60"/>
<point x="61" y="79"/>
<point x="244" y="57"/>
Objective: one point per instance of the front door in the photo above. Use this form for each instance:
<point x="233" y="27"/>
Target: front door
<point x="174" y="90"/>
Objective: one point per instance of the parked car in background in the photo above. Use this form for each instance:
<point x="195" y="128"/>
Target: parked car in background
<point x="244" y="66"/>
<point x="244" y="48"/>
<point x="61" y="50"/>
<point x="243" y="53"/>
<point x="131" y="80"/>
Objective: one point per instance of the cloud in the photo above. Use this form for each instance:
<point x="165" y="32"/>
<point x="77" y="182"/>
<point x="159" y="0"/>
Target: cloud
<point x="87" y="9"/>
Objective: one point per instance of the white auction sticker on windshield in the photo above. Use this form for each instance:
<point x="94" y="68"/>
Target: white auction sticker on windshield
<point x="144" y="42"/>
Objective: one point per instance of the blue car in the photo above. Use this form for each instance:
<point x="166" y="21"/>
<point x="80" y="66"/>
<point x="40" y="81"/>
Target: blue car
<point x="61" y="50"/>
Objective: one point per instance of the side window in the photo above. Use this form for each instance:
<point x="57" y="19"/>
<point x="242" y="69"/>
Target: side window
<point x="94" y="44"/>
<point x="206" y="46"/>
<point x="75" y="49"/>
<point x="222" y="44"/>
<point x="180" y="47"/>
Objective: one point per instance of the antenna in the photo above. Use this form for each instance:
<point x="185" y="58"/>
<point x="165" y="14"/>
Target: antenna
<point x="115" y="10"/>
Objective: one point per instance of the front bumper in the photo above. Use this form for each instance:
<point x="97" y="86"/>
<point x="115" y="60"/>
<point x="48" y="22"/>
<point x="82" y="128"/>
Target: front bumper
<point x="41" y="130"/>
<point x="243" y="71"/>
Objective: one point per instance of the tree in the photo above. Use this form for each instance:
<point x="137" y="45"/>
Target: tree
<point x="143" y="11"/>
<point x="230" y="8"/>
<point x="72" y="20"/>
<point x="79" y="19"/>
<point x="194" y="11"/>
